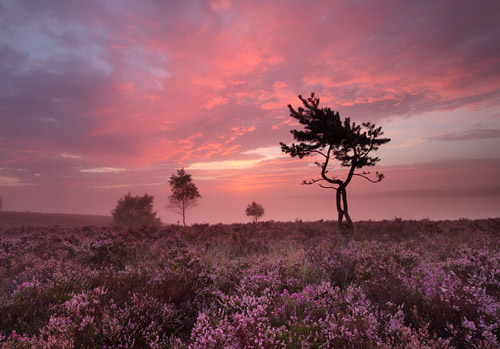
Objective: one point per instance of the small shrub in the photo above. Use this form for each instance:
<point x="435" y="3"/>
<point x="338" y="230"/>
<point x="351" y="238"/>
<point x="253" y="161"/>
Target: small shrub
<point x="135" y="211"/>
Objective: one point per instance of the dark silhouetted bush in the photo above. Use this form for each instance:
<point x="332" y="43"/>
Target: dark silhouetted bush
<point x="135" y="211"/>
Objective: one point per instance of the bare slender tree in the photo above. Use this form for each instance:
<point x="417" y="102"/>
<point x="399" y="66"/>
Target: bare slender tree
<point x="184" y="195"/>
<point x="255" y="211"/>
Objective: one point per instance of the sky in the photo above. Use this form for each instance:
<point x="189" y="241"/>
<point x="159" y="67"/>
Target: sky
<point x="101" y="98"/>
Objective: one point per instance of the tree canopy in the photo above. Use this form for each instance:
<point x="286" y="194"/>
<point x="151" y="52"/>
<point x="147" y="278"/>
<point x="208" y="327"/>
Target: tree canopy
<point x="325" y="134"/>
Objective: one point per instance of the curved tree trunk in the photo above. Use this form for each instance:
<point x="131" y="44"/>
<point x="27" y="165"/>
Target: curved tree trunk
<point x="345" y="225"/>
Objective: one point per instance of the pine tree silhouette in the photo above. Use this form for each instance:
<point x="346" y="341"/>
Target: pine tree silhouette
<point x="327" y="135"/>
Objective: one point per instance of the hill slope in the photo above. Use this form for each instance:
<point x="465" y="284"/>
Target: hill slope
<point x="16" y="219"/>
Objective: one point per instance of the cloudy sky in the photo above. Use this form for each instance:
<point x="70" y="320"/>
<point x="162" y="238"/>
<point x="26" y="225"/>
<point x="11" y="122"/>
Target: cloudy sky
<point x="102" y="98"/>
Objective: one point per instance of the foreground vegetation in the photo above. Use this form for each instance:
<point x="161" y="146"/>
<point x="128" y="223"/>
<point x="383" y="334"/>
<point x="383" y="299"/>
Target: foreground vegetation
<point x="397" y="284"/>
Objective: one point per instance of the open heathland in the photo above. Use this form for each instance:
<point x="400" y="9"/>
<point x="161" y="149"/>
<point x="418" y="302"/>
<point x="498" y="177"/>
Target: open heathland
<point x="399" y="283"/>
<point x="17" y="219"/>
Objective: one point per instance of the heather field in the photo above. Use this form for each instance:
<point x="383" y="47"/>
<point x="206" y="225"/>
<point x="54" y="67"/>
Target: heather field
<point x="406" y="284"/>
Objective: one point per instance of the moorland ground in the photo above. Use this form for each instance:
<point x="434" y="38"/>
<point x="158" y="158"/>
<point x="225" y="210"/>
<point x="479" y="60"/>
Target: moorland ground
<point x="271" y="284"/>
<point x="11" y="219"/>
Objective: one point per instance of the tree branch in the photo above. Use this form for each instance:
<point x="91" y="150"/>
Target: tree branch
<point x="365" y="154"/>
<point x="311" y="181"/>
<point x="353" y="167"/>
<point x="316" y="180"/>
<point x="319" y="152"/>
<point x="324" y="170"/>
<point x="326" y="187"/>
<point x="379" y="176"/>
